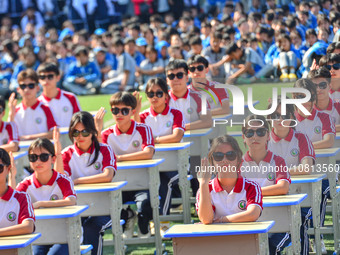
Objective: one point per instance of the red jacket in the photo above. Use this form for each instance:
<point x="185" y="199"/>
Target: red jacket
<point x="137" y="3"/>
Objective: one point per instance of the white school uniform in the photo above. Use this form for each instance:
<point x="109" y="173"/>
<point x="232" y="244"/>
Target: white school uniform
<point x="8" y="133"/>
<point x="335" y="95"/>
<point x="333" y="110"/>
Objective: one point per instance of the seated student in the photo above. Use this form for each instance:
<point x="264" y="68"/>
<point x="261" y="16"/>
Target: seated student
<point x="198" y="70"/>
<point x="298" y="152"/>
<point x="267" y="169"/>
<point x="46" y="187"/>
<point x="228" y="197"/>
<point x="167" y="127"/>
<point x="332" y="63"/>
<point x="185" y="99"/>
<point x="32" y="117"/>
<point x="103" y="62"/>
<point x="62" y="104"/>
<point x="319" y="128"/>
<point x="130" y="141"/>
<point x="87" y="161"/>
<point x="321" y="78"/>
<point x="16" y="214"/>
<point x="9" y="136"/>
<point x="83" y="76"/>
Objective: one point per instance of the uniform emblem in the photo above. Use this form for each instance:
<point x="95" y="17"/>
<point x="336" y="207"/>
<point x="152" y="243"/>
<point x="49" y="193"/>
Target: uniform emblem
<point x="135" y="144"/>
<point x="65" y="109"/>
<point x="11" y="216"/>
<point x="317" y="130"/>
<point x="168" y="124"/>
<point x="270" y="176"/>
<point x="242" y="204"/>
<point x="5" y="141"/>
<point x="54" y="197"/>
<point x="189" y="110"/>
<point x="38" y="120"/>
<point x="294" y="152"/>
<point x="97" y="165"/>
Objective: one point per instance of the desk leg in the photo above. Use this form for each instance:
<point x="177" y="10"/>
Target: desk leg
<point x="316" y="200"/>
<point x="183" y="166"/>
<point x="295" y="216"/>
<point x="20" y="251"/>
<point x="263" y="244"/>
<point x="74" y="233"/>
<point x="116" y="207"/>
<point x="154" y="183"/>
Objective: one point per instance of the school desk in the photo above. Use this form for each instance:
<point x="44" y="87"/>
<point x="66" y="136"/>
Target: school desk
<point x="225" y="238"/>
<point x="176" y="156"/>
<point x="337" y="140"/>
<point x="219" y="125"/>
<point x="17" y="245"/>
<point x="104" y="199"/>
<point x="310" y="185"/>
<point x="20" y="160"/>
<point x="60" y="225"/>
<point x="325" y="164"/>
<point x="200" y="139"/>
<point x="143" y="175"/>
<point x="285" y="211"/>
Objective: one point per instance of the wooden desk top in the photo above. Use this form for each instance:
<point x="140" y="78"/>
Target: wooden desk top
<point x="330" y="152"/>
<point x="99" y="187"/>
<point x="59" y="212"/>
<point x="19" y="154"/>
<point x="15" y="242"/>
<point x="222" y="229"/>
<point x="197" y="132"/>
<point x="222" y="116"/>
<point x="337" y="136"/>
<point x="63" y="130"/>
<point x="172" y="146"/>
<point x="285" y="200"/>
<point x="139" y="163"/>
<point x="234" y="133"/>
<point x="307" y="178"/>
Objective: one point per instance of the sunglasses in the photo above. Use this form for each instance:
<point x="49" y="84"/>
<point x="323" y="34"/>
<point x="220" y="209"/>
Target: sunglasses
<point x="335" y="66"/>
<point x="219" y="156"/>
<point x="312" y="98"/>
<point x="2" y="167"/>
<point x="84" y="133"/>
<point x="49" y="77"/>
<point x="125" y="111"/>
<point x="276" y="115"/>
<point x="43" y="157"/>
<point x="179" y="76"/>
<point x="158" y="94"/>
<point x="321" y="85"/>
<point x="29" y="85"/>
<point x="2" y="110"/>
<point x="260" y="132"/>
<point x="199" y="68"/>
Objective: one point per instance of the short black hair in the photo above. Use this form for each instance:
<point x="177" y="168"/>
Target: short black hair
<point x="232" y="48"/>
<point x="48" y="67"/>
<point x="177" y="64"/>
<point x="332" y="47"/>
<point x="117" y="42"/>
<point x="2" y="102"/>
<point x="196" y="40"/>
<point x="322" y="72"/>
<point x="4" y="156"/>
<point x="123" y="97"/>
<point x="195" y="59"/>
<point x="333" y="58"/>
<point x="81" y="50"/>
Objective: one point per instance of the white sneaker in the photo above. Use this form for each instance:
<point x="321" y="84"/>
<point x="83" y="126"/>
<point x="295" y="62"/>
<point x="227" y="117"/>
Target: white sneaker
<point x="130" y="223"/>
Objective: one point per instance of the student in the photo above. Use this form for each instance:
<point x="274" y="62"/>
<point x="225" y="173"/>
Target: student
<point x="46" y="187"/>
<point x="333" y="65"/>
<point x="33" y="118"/>
<point x="322" y="78"/>
<point x="228" y="197"/>
<point x="198" y="70"/>
<point x="9" y="136"/>
<point x="298" y="152"/>
<point x="184" y="99"/>
<point x="130" y="141"/>
<point x="62" y="104"/>
<point x="267" y="169"/>
<point x="88" y="161"/>
<point x="167" y="127"/>
<point x="17" y="215"/>
<point x="83" y="76"/>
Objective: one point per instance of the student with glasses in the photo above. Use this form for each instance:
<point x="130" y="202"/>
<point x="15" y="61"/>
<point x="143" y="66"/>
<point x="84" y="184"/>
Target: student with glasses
<point x="332" y="63"/>
<point x="167" y="127"/>
<point x="87" y="161"/>
<point x="218" y="98"/>
<point x="9" y="136"/>
<point x="62" y="104"/>
<point x="267" y="169"/>
<point x="228" y="197"/>
<point x="47" y="187"/>
<point x="319" y="128"/>
<point x="298" y="152"/>
<point x="130" y="141"/>
<point x="17" y="215"/>
<point x="33" y="118"/>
